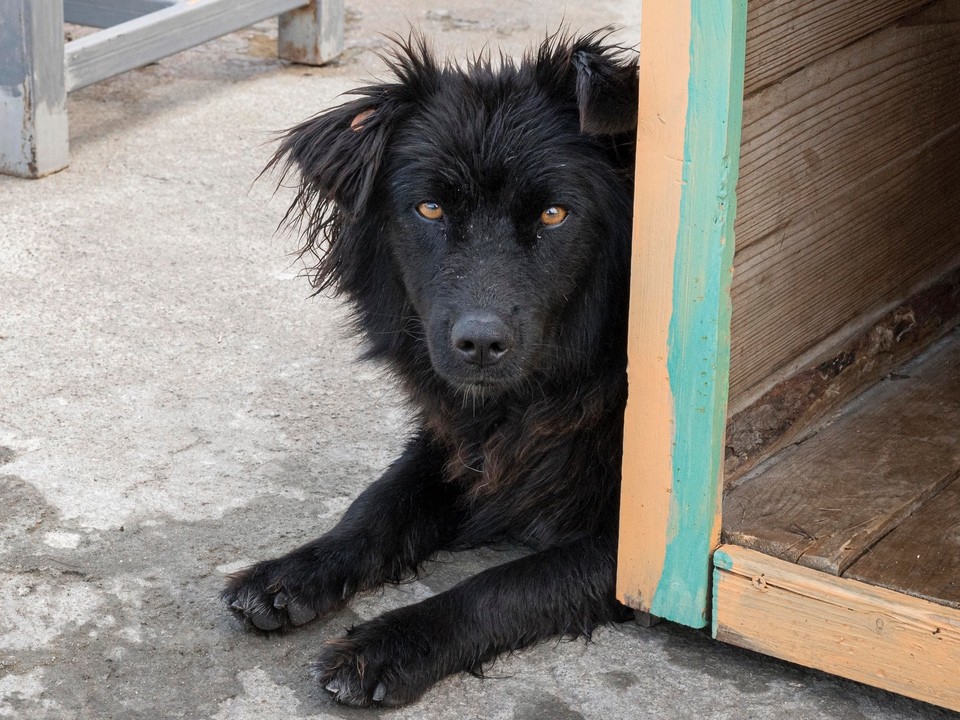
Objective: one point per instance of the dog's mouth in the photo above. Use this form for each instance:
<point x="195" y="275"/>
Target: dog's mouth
<point x="478" y="392"/>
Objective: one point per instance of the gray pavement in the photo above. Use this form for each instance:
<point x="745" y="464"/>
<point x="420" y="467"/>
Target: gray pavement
<point x="173" y="406"/>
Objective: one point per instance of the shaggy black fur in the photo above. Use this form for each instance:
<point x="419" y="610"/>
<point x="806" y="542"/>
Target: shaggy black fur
<point x="431" y="203"/>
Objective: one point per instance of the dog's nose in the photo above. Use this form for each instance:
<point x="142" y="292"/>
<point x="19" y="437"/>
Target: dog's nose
<point x="481" y="338"/>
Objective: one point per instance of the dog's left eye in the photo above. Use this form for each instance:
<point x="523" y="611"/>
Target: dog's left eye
<point x="553" y="215"/>
<point x="430" y="210"/>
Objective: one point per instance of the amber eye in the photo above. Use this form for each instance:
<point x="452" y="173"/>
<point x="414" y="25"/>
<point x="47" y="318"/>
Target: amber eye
<point x="430" y="210"/>
<point x="553" y="215"/>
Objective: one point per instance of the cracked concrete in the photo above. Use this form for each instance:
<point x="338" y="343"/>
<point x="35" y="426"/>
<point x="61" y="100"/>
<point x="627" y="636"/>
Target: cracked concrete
<point x="173" y="406"/>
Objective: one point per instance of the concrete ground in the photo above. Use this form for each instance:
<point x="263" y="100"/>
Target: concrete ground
<point x="174" y="406"/>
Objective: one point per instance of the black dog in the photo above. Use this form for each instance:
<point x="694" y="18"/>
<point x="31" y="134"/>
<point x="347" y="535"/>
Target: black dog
<point x="478" y="219"/>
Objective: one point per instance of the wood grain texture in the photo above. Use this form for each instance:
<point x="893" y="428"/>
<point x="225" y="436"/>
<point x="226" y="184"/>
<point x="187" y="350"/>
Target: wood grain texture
<point x="825" y="502"/>
<point x="792" y="409"/>
<point x="922" y="556"/>
<point x="648" y="420"/>
<point x="850" y="170"/>
<point x="786" y="35"/>
<point x="864" y="633"/>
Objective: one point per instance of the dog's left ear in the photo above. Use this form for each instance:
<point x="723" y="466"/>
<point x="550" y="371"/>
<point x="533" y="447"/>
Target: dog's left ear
<point x="607" y="87"/>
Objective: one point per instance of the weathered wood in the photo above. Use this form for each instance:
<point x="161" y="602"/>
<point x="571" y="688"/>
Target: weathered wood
<point x="793" y="408"/>
<point x="850" y="171"/>
<point x="864" y="633"/>
<point x="922" y="556"/>
<point x="312" y="35"/>
<point x="104" y="13"/>
<point x="33" y="101"/>
<point x="825" y="502"/>
<point x="691" y="76"/>
<point x="148" y="38"/>
<point x="786" y="35"/>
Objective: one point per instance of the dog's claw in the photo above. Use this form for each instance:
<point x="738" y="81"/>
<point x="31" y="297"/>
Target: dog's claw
<point x="333" y="687"/>
<point x="380" y="693"/>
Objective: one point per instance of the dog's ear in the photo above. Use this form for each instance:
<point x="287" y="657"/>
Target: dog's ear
<point x="607" y="87"/>
<point x="338" y="152"/>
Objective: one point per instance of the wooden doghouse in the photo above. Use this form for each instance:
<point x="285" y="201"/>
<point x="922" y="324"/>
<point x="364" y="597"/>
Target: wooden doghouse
<point x="792" y="452"/>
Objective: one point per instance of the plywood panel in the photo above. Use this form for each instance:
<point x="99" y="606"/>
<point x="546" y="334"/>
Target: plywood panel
<point x="825" y="502"/>
<point x="922" y="556"/>
<point x="850" y="170"/>
<point x="786" y="35"/>
<point x="845" y="627"/>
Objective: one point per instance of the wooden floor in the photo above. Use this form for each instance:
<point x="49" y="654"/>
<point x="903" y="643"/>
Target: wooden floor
<point x="874" y="495"/>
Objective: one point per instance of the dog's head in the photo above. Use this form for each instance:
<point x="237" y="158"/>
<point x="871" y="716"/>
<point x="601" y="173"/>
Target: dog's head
<point x="477" y="216"/>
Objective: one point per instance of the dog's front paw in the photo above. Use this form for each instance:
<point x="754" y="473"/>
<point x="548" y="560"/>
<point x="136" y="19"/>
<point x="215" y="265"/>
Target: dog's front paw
<point x="272" y="595"/>
<point x="382" y="662"/>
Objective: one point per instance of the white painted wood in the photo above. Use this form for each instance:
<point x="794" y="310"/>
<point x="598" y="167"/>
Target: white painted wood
<point x="151" y="37"/>
<point x="312" y="35"/>
<point x="106" y="13"/>
<point x="33" y="103"/>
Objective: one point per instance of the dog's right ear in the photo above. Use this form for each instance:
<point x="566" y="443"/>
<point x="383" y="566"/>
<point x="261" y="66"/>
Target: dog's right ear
<point x="338" y="152"/>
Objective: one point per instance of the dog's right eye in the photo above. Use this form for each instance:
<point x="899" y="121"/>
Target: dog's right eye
<point x="430" y="210"/>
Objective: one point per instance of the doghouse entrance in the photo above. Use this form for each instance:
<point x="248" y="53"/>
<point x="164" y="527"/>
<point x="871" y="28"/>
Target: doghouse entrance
<point x="818" y="384"/>
<point x="841" y="506"/>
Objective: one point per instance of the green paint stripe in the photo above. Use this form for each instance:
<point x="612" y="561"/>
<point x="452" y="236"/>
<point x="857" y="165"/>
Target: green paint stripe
<point x="722" y="560"/>
<point x="714" y="615"/>
<point x="699" y="336"/>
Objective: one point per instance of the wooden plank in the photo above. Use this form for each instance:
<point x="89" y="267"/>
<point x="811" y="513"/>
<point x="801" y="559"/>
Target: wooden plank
<point x="922" y="556"/>
<point x="784" y="36"/>
<point x="823" y="130"/>
<point x="871" y="635"/>
<point x="33" y="102"/>
<point x="313" y="34"/>
<point x="648" y="423"/>
<point x="800" y="296"/>
<point x="148" y="38"/>
<point x="691" y="75"/>
<point x="104" y="13"/>
<point x="850" y="171"/>
<point x="825" y="502"/>
<point x="792" y="409"/>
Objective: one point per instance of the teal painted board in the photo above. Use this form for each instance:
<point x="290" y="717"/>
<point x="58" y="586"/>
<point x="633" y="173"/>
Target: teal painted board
<point x="699" y="336"/>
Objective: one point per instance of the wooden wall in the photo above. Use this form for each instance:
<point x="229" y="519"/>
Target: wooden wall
<point x="849" y="175"/>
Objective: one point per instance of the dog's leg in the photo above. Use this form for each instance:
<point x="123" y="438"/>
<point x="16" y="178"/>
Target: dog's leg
<point x="394" y="658"/>
<point x="393" y="526"/>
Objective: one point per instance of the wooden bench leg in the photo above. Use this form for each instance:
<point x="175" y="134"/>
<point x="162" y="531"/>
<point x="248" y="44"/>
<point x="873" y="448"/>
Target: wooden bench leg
<point x="313" y="34"/>
<point x="33" y="99"/>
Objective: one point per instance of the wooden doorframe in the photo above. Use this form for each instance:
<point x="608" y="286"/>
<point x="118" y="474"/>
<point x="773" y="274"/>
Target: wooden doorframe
<point x="688" y="144"/>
